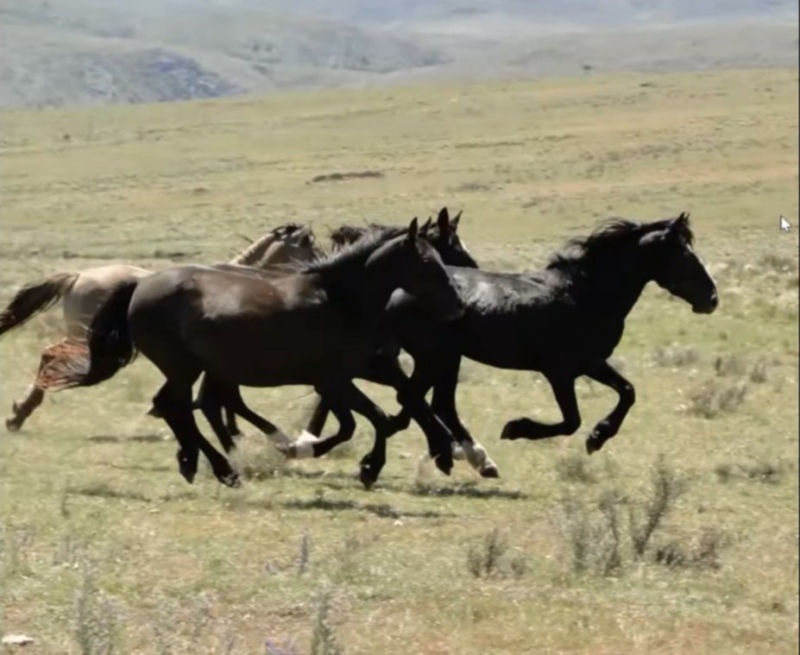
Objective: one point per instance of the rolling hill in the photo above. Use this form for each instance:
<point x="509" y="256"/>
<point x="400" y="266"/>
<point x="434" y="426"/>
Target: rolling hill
<point x="64" y="52"/>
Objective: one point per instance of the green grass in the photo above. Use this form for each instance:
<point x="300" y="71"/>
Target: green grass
<point x="103" y="542"/>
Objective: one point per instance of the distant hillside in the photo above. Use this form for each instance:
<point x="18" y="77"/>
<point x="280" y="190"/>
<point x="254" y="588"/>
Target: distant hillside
<point x="58" y="52"/>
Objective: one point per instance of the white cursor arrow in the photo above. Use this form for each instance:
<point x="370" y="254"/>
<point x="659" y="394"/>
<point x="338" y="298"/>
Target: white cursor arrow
<point x="784" y="224"/>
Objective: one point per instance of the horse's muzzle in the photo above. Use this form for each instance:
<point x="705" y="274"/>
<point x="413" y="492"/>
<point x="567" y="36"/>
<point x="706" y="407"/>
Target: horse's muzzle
<point x="708" y="306"/>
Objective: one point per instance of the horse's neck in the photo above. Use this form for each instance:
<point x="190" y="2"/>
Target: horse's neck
<point x="253" y="254"/>
<point x="365" y="292"/>
<point x="611" y="288"/>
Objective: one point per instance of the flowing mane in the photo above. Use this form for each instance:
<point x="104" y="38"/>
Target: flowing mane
<point x="253" y="253"/>
<point x="350" y="252"/>
<point x="610" y="236"/>
<point x="347" y="234"/>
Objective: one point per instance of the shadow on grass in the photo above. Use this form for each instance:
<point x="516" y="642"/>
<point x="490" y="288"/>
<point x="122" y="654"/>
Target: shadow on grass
<point x="383" y="510"/>
<point x="463" y="490"/>
<point x="103" y="490"/>
<point x="139" y="438"/>
<point x="154" y="468"/>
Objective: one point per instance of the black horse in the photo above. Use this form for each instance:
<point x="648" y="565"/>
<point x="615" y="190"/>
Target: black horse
<point x="564" y="321"/>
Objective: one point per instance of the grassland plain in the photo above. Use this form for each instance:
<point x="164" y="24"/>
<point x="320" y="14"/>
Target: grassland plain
<point x="623" y="552"/>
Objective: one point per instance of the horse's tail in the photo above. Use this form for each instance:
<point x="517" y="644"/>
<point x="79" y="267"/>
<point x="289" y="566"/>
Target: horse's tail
<point x="108" y="348"/>
<point x="34" y="298"/>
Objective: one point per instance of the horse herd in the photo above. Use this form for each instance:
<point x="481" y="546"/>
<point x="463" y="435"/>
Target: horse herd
<point x="286" y="313"/>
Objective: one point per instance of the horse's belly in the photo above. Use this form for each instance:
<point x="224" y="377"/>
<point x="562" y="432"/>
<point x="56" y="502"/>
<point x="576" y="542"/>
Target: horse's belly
<point x="295" y="357"/>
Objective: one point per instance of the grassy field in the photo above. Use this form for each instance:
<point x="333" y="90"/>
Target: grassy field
<point x="104" y="544"/>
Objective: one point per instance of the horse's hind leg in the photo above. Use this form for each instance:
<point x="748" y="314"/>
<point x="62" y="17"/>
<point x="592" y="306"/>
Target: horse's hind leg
<point x="174" y="402"/>
<point x="234" y="401"/>
<point x="22" y="409"/>
<point x="230" y="422"/>
<point x="610" y="425"/>
<point x="210" y="398"/>
<point x="564" y="391"/>
<point x="349" y="398"/>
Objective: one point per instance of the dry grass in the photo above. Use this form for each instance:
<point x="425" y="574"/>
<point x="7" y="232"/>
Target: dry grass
<point x="301" y="552"/>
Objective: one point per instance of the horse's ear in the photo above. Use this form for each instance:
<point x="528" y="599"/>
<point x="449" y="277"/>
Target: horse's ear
<point x="443" y="221"/>
<point x="426" y="225"/>
<point x="683" y="219"/>
<point x="413" y="229"/>
<point x="454" y="222"/>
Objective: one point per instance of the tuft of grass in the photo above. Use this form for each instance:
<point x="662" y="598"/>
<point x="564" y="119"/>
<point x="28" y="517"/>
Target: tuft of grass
<point x="730" y="365"/>
<point x="489" y="557"/>
<point x="97" y="619"/>
<point x="779" y="263"/>
<point x="323" y="636"/>
<point x="666" y="487"/>
<point x="574" y="468"/>
<point x="604" y="540"/>
<point x="287" y="647"/>
<point x="702" y="553"/>
<point x="758" y="373"/>
<point x="304" y="555"/>
<point x="258" y="462"/>
<point x="676" y="356"/>
<point x="713" y="398"/>
<point x="758" y="471"/>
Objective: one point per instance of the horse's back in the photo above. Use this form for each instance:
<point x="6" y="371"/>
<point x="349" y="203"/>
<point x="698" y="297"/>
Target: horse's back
<point x="91" y="289"/>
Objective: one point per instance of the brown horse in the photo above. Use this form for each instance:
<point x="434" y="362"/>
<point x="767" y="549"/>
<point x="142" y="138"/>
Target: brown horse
<point x="319" y="327"/>
<point x="83" y="292"/>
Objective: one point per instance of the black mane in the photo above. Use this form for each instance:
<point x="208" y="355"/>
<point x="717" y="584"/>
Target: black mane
<point x="361" y="248"/>
<point x="348" y="234"/>
<point x="611" y="235"/>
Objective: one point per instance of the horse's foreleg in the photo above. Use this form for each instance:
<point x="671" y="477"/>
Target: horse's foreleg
<point x="610" y="425"/>
<point x="525" y="428"/>
<point x="319" y="416"/>
<point x="411" y="396"/>
<point x="340" y="398"/>
<point x="443" y="404"/>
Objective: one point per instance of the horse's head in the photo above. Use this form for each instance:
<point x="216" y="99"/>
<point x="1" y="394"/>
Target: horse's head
<point x="412" y="264"/>
<point x="292" y="243"/>
<point x="444" y="237"/>
<point x="675" y="265"/>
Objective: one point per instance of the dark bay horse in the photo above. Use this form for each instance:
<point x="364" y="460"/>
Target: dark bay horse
<point x="383" y="368"/>
<point x="564" y="321"/>
<point x="317" y="327"/>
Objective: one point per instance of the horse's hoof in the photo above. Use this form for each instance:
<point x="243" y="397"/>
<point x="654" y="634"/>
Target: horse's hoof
<point x="444" y="464"/>
<point x="12" y="425"/>
<point x="489" y="472"/>
<point x="510" y="431"/>
<point x="458" y="453"/>
<point x="593" y="444"/>
<point x="367" y="477"/>
<point x="289" y="451"/>
<point x="230" y="479"/>
<point x="188" y="475"/>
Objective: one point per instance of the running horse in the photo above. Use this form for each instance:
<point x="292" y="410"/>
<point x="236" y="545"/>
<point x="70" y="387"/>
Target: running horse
<point x="83" y="292"/>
